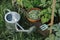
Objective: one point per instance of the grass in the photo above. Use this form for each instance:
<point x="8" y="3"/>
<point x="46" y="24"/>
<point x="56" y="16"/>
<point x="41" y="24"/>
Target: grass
<point x="6" y="34"/>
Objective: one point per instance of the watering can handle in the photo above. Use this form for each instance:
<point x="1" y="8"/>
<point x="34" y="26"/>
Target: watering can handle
<point x="19" y="26"/>
<point x="23" y="30"/>
<point x="6" y="10"/>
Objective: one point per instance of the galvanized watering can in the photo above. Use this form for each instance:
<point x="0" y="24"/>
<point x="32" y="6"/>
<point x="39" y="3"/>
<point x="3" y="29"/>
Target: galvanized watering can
<point x="13" y="18"/>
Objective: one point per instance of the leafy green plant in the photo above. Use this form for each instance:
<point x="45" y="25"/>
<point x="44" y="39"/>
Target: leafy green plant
<point x="25" y="3"/>
<point x="56" y="35"/>
<point x="57" y="7"/>
<point x="45" y="15"/>
<point x="56" y="28"/>
<point x="34" y="14"/>
<point x="45" y="3"/>
<point x="34" y="3"/>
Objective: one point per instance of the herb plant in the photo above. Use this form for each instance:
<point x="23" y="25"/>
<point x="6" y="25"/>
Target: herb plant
<point x="34" y="14"/>
<point x="45" y="15"/>
<point x="34" y="3"/>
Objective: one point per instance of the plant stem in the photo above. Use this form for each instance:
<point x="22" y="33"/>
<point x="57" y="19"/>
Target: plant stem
<point x="52" y="16"/>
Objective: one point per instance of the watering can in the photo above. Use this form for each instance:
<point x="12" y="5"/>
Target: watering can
<point x="13" y="18"/>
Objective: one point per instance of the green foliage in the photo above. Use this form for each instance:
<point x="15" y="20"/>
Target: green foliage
<point x="59" y="11"/>
<point x="34" y="3"/>
<point x="27" y="4"/>
<point x="19" y="2"/>
<point x="55" y="27"/>
<point x="51" y="37"/>
<point x="43" y="2"/>
<point x="45" y="15"/>
<point x="58" y="7"/>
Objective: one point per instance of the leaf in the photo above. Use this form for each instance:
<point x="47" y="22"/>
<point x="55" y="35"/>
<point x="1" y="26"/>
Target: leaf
<point x="52" y="37"/>
<point x="49" y="2"/>
<point x="20" y="2"/>
<point x="59" y="11"/>
<point x="54" y="28"/>
<point x="47" y="39"/>
<point x="49" y="10"/>
<point x="57" y="5"/>
<point x="58" y="33"/>
<point x="56" y="38"/>
<point x="36" y="2"/>
<point x="43" y="12"/>
<point x="44" y="20"/>
<point x="43" y="1"/>
<point x="55" y="10"/>
<point x="27" y="4"/>
<point x="58" y="0"/>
